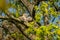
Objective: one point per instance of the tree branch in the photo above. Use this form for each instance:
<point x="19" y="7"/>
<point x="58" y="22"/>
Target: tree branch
<point x="4" y="17"/>
<point x="30" y="8"/>
<point x="15" y="20"/>
<point x="28" y="5"/>
<point x="20" y="28"/>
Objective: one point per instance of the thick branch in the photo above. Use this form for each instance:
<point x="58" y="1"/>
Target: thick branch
<point x="20" y="28"/>
<point x="28" y="5"/>
<point x="30" y="8"/>
<point x="15" y="20"/>
<point x="4" y="17"/>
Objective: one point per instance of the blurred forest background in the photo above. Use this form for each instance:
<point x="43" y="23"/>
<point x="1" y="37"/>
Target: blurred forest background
<point x="29" y="19"/>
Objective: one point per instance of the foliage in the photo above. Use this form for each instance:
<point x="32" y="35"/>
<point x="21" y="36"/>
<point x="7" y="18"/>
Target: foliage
<point x="39" y="32"/>
<point x="45" y="32"/>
